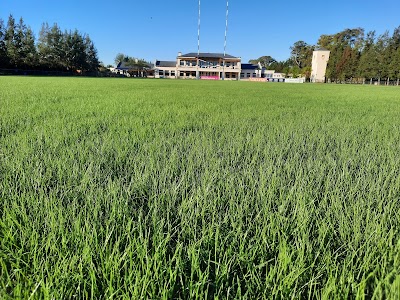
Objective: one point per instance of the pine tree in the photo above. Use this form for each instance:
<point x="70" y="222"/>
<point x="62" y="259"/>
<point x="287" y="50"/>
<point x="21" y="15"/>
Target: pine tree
<point x="51" y="47"/>
<point x="20" y="28"/>
<point x="10" y="42"/>
<point x="383" y="55"/>
<point x="368" y="62"/>
<point x="92" y="61"/>
<point x="25" y="46"/>
<point x="4" y="61"/>
<point x="31" y="57"/>
<point x="394" y="55"/>
<point x="344" y="47"/>
<point x="56" y="48"/>
<point x="43" y="47"/>
<point x="74" y="47"/>
<point x="394" y="66"/>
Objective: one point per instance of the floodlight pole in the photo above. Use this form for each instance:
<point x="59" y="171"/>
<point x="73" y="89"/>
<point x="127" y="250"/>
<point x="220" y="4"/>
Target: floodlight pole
<point x="226" y="31"/>
<point x="198" y="44"/>
<point x="223" y="68"/>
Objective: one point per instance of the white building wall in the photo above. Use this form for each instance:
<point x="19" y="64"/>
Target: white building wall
<point x="165" y="72"/>
<point x="319" y="63"/>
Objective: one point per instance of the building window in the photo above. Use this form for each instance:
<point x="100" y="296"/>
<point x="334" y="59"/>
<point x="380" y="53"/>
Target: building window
<point x="241" y="75"/>
<point x="172" y="73"/>
<point x="181" y="74"/>
<point x="161" y="72"/>
<point x="254" y="75"/>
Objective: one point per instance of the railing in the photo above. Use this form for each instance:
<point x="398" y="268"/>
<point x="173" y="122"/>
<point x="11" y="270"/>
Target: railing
<point x="210" y="67"/>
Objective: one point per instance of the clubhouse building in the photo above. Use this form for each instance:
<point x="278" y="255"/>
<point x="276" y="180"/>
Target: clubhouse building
<point x="214" y="66"/>
<point x="209" y="66"/>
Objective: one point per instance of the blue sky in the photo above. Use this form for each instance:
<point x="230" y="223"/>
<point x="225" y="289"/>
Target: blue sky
<point x="155" y="29"/>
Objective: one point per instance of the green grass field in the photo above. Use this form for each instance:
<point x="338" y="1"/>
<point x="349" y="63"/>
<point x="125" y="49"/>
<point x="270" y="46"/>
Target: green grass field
<point x="163" y="189"/>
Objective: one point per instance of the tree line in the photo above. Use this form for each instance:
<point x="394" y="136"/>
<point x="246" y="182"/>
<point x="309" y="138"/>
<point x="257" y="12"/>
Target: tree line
<point x="55" y="50"/>
<point x="354" y="56"/>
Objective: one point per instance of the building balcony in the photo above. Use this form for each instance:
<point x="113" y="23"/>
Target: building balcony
<point x="214" y="68"/>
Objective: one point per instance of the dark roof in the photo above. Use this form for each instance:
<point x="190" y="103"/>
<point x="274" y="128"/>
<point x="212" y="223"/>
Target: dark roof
<point x="249" y="67"/>
<point x="208" y="55"/>
<point x="123" y="66"/>
<point x="165" y="63"/>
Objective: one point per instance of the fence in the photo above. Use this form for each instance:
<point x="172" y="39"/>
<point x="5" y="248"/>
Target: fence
<point x="52" y="73"/>
<point x="34" y="72"/>
<point x="372" y="81"/>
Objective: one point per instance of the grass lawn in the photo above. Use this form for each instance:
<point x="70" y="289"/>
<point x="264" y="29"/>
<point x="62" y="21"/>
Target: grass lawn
<point x="162" y="189"/>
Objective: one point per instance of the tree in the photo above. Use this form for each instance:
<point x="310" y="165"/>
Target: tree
<point x="347" y="65"/>
<point x="55" y="50"/>
<point x="31" y="58"/>
<point x="10" y="42"/>
<point x="295" y="71"/>
<point x="301" y="54"/>
<point x="264" y="61"/>
<point x="383" y="55"/>
<point x="279" y="66"/>
<point x="270" y="63"/>
<point x="74" y="47"/>
<point x="25" y="43"/>
<point x="344" y="47"/>
<point x="43" y="46"/>
<point x="51" y="47"/>
<point x="120" y="58"/>
<point x="368" y="63"/>
<point x="3" y="50"/>
<point x="394" y="66"/>
<point x="393" y="54"/>
<point x="92" y="61"/>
